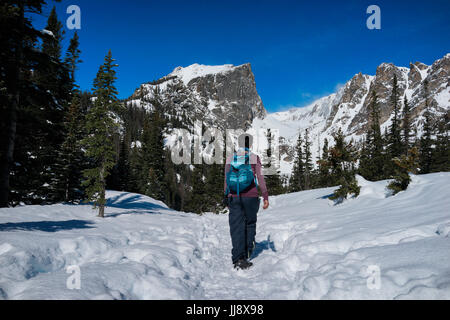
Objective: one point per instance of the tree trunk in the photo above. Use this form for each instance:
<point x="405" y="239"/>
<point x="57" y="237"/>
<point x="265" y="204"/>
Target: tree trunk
<point x="101" y="210"/>
<point x="7" y="159"/>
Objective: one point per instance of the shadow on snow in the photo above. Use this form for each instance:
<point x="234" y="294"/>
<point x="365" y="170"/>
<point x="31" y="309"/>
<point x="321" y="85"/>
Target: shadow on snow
<point x="263" y="245"/>
<point x="46" y="226"/>
<point x="133" y="203"/>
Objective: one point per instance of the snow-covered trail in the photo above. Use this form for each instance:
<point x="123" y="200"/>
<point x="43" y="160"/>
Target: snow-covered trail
<point x="307" y="248"/>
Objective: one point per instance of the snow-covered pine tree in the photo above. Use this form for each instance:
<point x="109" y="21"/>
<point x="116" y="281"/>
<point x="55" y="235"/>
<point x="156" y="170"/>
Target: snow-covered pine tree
<point x="101" y="125"/>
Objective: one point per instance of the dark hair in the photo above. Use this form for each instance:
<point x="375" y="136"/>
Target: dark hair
<point x="245" y="141"/>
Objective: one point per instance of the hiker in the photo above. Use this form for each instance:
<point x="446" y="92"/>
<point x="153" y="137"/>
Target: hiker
<point x="242" y="177"/>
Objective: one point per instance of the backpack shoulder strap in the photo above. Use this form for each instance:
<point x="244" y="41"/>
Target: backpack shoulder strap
<point x="253" y="162"/>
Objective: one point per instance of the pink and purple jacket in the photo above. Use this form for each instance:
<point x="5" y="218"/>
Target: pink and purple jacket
<point x="252" y="191"/>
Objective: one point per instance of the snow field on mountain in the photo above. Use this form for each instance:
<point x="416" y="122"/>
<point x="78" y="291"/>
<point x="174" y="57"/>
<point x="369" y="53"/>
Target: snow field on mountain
<point x="307" y="248"/>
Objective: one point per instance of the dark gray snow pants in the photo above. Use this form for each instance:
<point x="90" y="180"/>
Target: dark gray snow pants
<point x="242" y="219"/>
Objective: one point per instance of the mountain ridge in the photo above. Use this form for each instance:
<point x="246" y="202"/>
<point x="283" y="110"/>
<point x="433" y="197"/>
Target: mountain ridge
<point x="225" y="97"/>
<point x="348" y="107"/>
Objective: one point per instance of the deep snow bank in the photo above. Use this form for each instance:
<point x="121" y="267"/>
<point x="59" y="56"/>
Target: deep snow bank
<point x="307" y="248"/>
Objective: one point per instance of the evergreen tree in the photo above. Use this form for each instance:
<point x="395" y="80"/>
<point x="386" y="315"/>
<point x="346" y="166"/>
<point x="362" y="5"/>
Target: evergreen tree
<point x="394" y="140"/>
<point x="172" y="195"/>
<point x="28" y="124"/>
<point x="324" y="167"/>
<point x="372" y="162"/>
<point x="55" y="33"/>
<point x="123" y="165"/>
<point x="54" y="115"/>
<point x="308" y="161"/>
<point x="426" y="142"/>
<point x="298" y="170"/>
<point x="273" y="181"/>
<point x="197" y="200"/>
<point x="406" y="126"/>
<point x="403" y="166"/>
<point x="441" y="152"/>
<point x="101" y="125"/>
<point x="153" y="156"/>
<point x="72" y="59"/>
<point x="66" y="183"/>
<point x="214" y="185"/>
<point x="145" y="154"/>
<point x="342" y="159"/>
<point x="135" y="170"/>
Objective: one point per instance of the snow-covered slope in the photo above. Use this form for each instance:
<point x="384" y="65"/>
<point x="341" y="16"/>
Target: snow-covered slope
<point x="307" y="248"/>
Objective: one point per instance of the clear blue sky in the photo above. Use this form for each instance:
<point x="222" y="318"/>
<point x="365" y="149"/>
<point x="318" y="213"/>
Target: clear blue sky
<point x="299" y="50"/>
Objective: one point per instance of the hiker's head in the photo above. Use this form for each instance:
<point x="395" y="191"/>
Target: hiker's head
<point x="245" y="141"/>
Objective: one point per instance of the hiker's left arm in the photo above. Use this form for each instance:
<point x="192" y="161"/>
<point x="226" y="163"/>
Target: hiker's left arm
<point x="261" y="181"/>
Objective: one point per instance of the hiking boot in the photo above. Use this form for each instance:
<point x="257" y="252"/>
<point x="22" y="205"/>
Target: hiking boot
<point x="242" y="264"/>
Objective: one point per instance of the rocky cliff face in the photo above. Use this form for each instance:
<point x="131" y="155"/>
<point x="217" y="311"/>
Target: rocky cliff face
<point x="348" y="108"/>
<point x="220" y="96"/>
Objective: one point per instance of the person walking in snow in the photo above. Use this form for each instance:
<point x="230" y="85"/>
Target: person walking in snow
<point x="242" y="178"/>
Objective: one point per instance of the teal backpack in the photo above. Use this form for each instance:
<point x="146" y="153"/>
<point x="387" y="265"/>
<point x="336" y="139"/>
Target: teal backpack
<point x="240" y="176"/>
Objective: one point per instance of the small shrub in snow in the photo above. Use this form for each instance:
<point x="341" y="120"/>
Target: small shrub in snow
<point x="403" y="166"/>
<point x="342" y="158"/>
<point x="349" y="185"/>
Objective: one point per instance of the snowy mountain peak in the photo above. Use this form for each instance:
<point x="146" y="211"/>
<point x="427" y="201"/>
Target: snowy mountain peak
<point x="420" y="65"/>
<point x="186" y="74"/>
<point x="222" y="96"/>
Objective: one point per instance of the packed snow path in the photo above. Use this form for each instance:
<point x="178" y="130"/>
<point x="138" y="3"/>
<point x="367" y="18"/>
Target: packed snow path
<point x="307" y="248"/>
